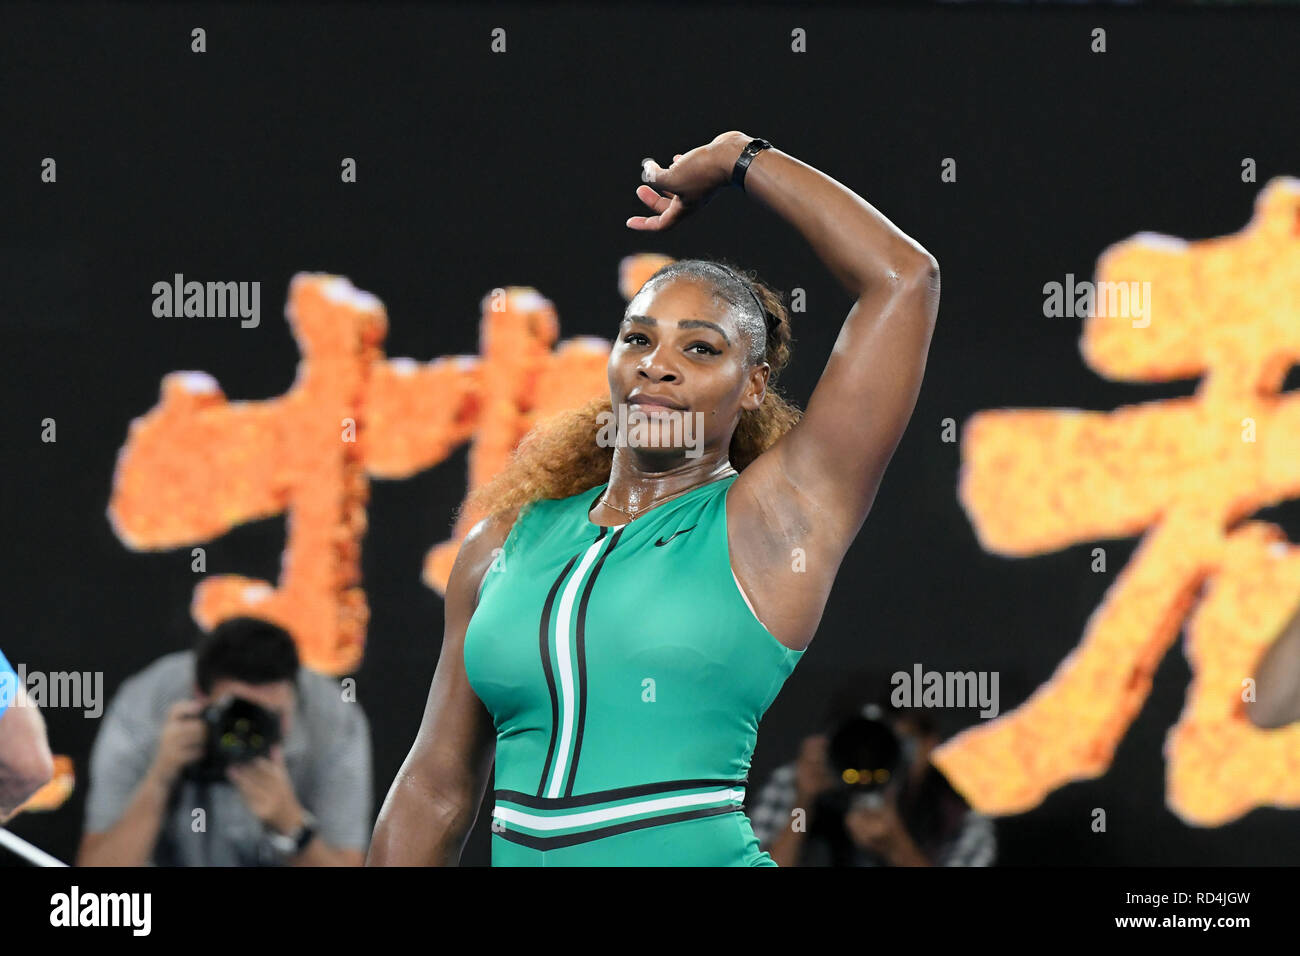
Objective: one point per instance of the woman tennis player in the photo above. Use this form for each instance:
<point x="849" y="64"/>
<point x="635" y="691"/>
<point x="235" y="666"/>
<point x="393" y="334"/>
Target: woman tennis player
<point x="625" y="615"/>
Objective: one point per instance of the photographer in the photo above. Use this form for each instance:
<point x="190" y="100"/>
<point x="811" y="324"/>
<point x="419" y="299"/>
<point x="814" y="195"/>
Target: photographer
<point x="230" y="755"/>
<point x="905" y="814"/>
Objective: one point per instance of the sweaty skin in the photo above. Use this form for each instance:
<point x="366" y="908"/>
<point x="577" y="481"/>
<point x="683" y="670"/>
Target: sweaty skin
<point x="811" y="491"/>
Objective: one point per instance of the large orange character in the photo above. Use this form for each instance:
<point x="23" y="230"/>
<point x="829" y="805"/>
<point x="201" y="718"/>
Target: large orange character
<point x="197" y="465"/>
<point x="1187" y="472"/>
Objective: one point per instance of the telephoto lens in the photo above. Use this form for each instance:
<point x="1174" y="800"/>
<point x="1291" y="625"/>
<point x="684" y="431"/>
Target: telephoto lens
<point x="238" y="731"/>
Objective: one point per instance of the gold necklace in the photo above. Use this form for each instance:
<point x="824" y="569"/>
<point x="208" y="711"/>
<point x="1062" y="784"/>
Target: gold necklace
<point x="636" y="511"/>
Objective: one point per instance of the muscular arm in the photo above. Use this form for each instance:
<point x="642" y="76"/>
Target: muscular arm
<point x="26" y="764"/>
<point x="825" y="472"/>
<point x="1277" y="681"/>
<point x="433" y="803"/>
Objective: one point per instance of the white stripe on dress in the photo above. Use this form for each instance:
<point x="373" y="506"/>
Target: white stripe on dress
<point x="566" y="665"/>
<point x="588" y="817"/>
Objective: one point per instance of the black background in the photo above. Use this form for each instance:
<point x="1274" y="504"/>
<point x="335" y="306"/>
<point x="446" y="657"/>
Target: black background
<point x="478" y="170"/>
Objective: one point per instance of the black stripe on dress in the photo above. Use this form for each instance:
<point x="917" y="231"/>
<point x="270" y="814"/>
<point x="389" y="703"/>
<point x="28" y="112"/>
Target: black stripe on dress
<point x="605" y="796"/>
<point x="582" y="659"/>
<point x="546" y="666"/>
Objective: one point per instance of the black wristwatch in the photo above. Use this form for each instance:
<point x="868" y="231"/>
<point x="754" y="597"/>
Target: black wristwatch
<point x="752" y="149"/>
<point x="292" y="845"/>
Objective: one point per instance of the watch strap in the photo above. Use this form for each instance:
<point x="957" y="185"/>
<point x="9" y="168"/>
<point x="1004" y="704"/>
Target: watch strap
<point x="305" y="833"/>
<point x="752" y="149"/>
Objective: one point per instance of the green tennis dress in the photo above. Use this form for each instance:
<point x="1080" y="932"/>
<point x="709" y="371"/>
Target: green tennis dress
<point x="626" y="675"/>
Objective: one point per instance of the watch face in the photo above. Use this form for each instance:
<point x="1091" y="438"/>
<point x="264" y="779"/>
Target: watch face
<point x="283" y="843"/>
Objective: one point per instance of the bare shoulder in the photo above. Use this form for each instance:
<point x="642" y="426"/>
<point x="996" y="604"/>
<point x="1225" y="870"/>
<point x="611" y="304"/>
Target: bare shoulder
<point x="477" y="552"/>
<point x="491" y="532"/>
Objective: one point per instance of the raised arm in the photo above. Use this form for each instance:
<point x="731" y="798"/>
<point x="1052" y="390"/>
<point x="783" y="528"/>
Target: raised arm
<point x="834" y="459"/>
<point x="433" y="803"/>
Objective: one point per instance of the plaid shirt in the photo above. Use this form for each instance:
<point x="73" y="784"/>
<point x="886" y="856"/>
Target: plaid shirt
<point x="975" y="844"/>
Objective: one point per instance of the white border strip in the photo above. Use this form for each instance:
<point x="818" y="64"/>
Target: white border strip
<point x="584" y="818"/>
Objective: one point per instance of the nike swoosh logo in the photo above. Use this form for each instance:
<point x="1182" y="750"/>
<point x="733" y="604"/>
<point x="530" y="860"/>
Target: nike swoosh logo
<point x="661" y="542"/>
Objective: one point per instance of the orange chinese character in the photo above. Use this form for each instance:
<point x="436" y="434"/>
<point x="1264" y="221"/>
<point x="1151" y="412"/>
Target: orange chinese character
<point x="1188" y="471"/>
<point x="196" y="465"/>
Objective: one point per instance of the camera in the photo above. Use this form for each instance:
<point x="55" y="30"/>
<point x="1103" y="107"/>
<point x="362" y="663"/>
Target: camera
<point x="238" y="730"/>
<point x="867" y="759"/>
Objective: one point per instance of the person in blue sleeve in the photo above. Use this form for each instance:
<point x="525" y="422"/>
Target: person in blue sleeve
<point x="26" y="764"/>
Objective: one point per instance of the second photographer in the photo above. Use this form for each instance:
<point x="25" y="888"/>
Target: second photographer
<point x="865" y="794"/>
